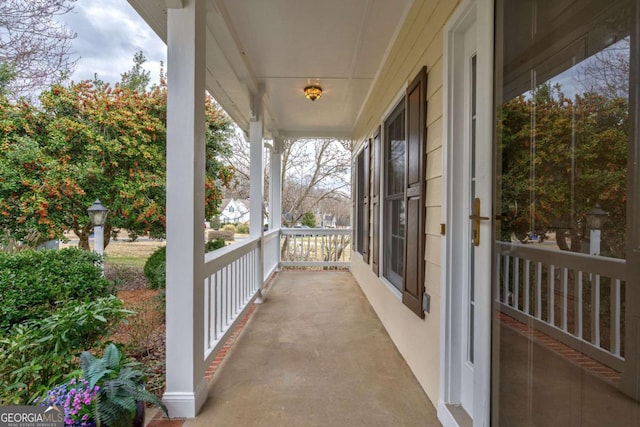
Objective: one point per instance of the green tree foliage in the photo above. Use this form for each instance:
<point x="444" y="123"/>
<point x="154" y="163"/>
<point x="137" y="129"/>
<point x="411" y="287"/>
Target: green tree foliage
<point x="137" y="79"/>
<point x="89" y="140"/>
<point x="561" y="156"/>
<point x="308" y="219"/>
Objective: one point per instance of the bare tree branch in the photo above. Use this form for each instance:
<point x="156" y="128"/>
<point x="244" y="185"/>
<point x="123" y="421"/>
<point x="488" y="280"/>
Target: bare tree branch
<point x="35" y="48"/>
<point x="315" y="176"/>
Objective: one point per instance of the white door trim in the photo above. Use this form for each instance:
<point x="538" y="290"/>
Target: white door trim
<point x="482" y="12"/>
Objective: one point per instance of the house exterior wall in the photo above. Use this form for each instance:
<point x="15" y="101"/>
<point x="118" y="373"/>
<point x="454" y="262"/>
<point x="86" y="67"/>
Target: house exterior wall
<point x="236" y="211"/>
<point x="418" y="43"/>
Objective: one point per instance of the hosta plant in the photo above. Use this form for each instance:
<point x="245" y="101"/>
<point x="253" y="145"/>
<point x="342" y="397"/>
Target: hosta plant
<point x="121" y="387"/>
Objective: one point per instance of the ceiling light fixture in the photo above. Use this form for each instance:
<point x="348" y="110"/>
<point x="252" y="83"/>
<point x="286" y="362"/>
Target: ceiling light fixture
<point x="312" y="92"/>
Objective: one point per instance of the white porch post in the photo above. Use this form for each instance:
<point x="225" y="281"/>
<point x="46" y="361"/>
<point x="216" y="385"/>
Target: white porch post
<point x="256" y="191"/>
<point x="275" y="185"/>
<point x="186" y="388"/>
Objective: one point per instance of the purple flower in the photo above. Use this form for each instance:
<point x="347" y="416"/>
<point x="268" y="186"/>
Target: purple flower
<point x="76" y="402"/>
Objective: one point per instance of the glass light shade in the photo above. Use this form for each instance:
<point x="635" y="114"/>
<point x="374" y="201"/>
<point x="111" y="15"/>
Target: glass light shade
<point x="97" y="213"/>
<point x="312" y="92"/>
<point x="596" y="217"/>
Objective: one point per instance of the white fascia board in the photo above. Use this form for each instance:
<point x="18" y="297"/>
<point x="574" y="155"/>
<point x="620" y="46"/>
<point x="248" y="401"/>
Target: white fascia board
<point x="174" y="4"/>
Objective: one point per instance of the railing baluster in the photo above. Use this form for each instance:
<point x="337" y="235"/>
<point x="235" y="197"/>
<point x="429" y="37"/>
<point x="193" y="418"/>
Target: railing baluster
<point x="527" y="285"/>
<point x="595" y="311"/>
<point x="499" y="260"/>
<point x="506" y="281"/>
<point x="551" y="293"/>
<point x="615" y="317"/>
<point x="218" y="275"/>
<point x="207" y="314"/>
<point x="539" y="291"/>
<point x="565" y="298"/>
<point x="516" y="283"/>
<point x="579" y="319"/>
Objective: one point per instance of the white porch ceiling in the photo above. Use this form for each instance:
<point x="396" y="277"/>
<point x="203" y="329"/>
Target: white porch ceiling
<point x="287" y="44"/>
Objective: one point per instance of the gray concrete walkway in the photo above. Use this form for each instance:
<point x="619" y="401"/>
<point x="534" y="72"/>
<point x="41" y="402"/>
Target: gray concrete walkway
<point x="315" y="354"/>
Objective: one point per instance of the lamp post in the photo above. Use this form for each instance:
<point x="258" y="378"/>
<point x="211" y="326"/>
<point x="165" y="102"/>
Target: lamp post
<point x="98" y="216"/>
<point x="596" y="218"/>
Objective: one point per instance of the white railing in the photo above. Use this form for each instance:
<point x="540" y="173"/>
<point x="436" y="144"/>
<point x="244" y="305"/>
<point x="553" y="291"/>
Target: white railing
<point x="572" y="297"/>
<point x="315" y="247"/>
<point x="233" y="273"/>
<point x="271" y="258"/>
<point x="232" y="281"/>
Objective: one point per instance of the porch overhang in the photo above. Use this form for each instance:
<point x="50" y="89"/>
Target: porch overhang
<point x="286" y="45"/>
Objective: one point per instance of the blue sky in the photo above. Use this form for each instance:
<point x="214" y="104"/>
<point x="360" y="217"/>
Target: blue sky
<point x="109" y="32"/>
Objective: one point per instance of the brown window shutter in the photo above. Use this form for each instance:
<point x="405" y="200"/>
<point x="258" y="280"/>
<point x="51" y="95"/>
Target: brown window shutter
<point x="365" y="218"/>
<point x="375" y="203"/>
<point x="413" y="278"/>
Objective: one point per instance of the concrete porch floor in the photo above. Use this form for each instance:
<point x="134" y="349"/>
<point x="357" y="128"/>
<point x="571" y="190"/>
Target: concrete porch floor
<point x="315" y="354"/>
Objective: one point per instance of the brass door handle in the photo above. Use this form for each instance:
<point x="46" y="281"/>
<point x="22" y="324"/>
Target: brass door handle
<point x="476" y="218"/>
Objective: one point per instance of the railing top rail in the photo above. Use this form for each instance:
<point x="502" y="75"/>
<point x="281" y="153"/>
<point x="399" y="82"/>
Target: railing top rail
<point x="316" y="231"/>
<point x="269" y="234"/>
<point x="217" y="259"/>
<point x="604" y="266"/>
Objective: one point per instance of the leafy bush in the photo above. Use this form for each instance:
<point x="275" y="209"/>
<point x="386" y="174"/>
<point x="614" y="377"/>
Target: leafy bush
<point x="156" y="265"/>
<point x="36" y="355"/>
<point x="34" y="283"/>
<point x="155" y="268"/>
<point x="242" y="229"/>
<point x="212" y="245"/>
<point x="121" y="387"/>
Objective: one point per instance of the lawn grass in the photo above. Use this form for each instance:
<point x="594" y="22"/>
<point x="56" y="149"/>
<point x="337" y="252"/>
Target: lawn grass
<point x="129" y="261"/>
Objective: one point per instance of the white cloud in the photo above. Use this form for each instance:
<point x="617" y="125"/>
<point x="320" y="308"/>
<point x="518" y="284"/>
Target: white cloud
<point x="109" y="33"/>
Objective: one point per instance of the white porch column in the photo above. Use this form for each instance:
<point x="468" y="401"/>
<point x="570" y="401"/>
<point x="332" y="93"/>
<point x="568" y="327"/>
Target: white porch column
<point x="256" y="164"/>
<point x="186" y="388"/>
<point x="275" y="185"/>
<point x="256" y="191"/>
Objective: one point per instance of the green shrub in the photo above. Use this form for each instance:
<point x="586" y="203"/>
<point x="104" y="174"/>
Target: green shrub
<point x="155" y="268"/>
<point x="156" y="265"/>
<point x="212" y="245"/>
<point x="34" y="283"/>
<point x="242" y="228"/>
<point x="37" y="354"/>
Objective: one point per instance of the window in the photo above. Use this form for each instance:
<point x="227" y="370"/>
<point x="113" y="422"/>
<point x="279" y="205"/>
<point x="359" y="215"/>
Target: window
<point x="404" y="195"/>
<point x="393" y="234"/>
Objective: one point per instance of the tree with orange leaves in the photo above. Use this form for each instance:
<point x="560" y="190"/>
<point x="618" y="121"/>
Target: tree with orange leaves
<point x="89" y="140"/>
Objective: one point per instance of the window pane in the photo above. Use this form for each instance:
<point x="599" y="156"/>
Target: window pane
<point x="394" y="250"/>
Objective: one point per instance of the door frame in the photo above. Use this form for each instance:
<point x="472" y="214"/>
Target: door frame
<point x="482" y="12"/>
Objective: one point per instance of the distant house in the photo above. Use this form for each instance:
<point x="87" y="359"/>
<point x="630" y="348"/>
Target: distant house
<point x="234" y="211"/>
<point x="328" y="221"/>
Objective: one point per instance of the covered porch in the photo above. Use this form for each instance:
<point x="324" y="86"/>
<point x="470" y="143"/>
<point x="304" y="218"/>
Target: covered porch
<point x="256" y="58"/>
<point x="314" y="354"/>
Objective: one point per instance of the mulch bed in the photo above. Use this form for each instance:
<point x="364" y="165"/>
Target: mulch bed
<point x="144" y="333"/>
